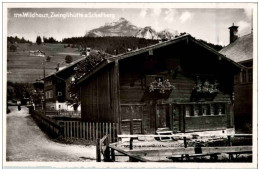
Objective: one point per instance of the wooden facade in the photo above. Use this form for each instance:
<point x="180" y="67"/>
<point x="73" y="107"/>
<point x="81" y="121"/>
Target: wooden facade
<point x="241" y="52"/>
<point x="117" y="90"/>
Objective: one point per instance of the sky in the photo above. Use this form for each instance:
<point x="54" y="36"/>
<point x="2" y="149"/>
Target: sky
<point x="209" y="24"/>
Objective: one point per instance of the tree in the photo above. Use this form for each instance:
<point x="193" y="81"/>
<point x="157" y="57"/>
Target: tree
<point x="38" y="40"/>
<point x="45" y="40"/>
<point x="13" y="48"/>
<point x="68" y="59"/>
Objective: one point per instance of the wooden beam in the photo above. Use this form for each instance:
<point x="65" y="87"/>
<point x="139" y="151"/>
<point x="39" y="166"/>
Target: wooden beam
<point x="189" y="150"/>
<point x="183" y="135"/>
<point x="129" y="154"/>
<point x="171" y="116"/>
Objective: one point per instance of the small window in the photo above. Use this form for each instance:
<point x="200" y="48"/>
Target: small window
<point x="59" y="93"/>
<point x="197" y="111"/>
<point x="49" y="94"/>
<point x="205" y="110"/>
<point x="219" y="109"/>
<point x="188" y="110"/>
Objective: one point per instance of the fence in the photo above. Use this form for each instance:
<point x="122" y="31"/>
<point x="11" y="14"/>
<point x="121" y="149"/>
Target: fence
<point x="76" y="129"/>
<point x="59" y="113"/>
<point x="89" y="130"/>
<point x="47" y="124"/>
<point x="62" y="113"/>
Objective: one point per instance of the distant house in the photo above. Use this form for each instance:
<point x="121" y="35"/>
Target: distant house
<point x="240" y="50"/>
<point x="56" y="86"/>
<point x="181" y="85"/>
<point x="37" y="53"/>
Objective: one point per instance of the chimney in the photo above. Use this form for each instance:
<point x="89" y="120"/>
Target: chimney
<point x="233" y="33"/>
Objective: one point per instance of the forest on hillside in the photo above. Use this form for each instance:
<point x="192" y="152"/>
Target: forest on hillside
<point x="110" y="45"/>
<point x="117" y="45"/>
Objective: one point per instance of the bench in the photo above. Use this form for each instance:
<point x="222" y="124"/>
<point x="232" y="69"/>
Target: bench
<point x="164" y="131"/>
<point x="181" y="157"/>
<point x="237" y="153"/>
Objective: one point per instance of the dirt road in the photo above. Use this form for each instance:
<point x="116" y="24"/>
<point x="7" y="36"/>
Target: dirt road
<point x="26" y="142"/>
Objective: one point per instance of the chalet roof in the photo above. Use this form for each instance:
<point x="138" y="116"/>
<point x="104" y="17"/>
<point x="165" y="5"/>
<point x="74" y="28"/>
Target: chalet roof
<point x="152" y="47"/>
<point x="240" y="50"/>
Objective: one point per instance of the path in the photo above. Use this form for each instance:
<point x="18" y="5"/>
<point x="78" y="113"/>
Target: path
<point x="26" y="142"/>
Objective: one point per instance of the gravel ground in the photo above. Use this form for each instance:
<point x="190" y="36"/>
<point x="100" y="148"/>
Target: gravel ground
<point x="26" y="142"/>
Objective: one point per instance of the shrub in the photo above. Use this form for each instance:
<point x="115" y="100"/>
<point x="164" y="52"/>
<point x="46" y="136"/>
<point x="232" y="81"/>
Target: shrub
<point x="13" y="48"/>
<point x="68" y="59"/>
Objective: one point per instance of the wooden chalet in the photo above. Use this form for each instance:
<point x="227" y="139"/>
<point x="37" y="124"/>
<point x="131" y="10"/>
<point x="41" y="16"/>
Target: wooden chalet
<point x="240" y="50"/>
<point x="56" y="87"/>
<point x="181" y="84"/>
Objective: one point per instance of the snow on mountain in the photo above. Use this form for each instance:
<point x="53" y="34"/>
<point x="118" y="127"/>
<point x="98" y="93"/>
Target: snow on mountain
<point x="147" y="33"/>
<point x="122" y="27"/>
<point x="167" y="34"/>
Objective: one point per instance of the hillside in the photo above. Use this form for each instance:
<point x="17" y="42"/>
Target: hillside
<point x="22" y="67"/>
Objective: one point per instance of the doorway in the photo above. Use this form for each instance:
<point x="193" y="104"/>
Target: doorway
<point x="162" y="116"/>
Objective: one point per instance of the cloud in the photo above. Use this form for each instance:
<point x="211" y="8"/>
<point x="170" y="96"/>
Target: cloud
<point x="185" y="16"/>
<point x="143" y="12"/>
<point x="170" y="14"/>
<point x="248" y="12"/>
<point x="157" y="25"/>
<point x="243" y="25"/>
<point x="156" y="12"/>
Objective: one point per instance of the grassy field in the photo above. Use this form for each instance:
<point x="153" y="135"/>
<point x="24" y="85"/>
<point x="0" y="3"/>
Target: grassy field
<point x="22" y="67"/>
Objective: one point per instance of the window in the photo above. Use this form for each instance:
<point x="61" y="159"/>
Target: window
<point x="49" y="94"/>
<point x="59" y="93"/>
<point x="188" y="110"/>
<point x="205" y="110"/>
<point x="48" y="83"/>
<point x="197" y="111"/>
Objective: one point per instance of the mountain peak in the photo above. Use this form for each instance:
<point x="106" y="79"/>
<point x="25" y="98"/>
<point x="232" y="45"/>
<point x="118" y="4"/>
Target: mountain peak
<point x="122" y="19"/>
<point x="120" y="27"/>
<point x="147" y="33"/>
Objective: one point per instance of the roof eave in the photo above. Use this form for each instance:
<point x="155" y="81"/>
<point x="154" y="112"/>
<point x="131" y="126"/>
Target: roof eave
<point x="219" y="54"/>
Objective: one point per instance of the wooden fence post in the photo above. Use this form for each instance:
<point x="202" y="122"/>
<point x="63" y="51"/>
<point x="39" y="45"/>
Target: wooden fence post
<point x="229" y="141"/>
<point x="107" y="150"/>
<point x="131" y="144"/>
<point x="185" y="142"/>
<point x="98" y="153"/>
